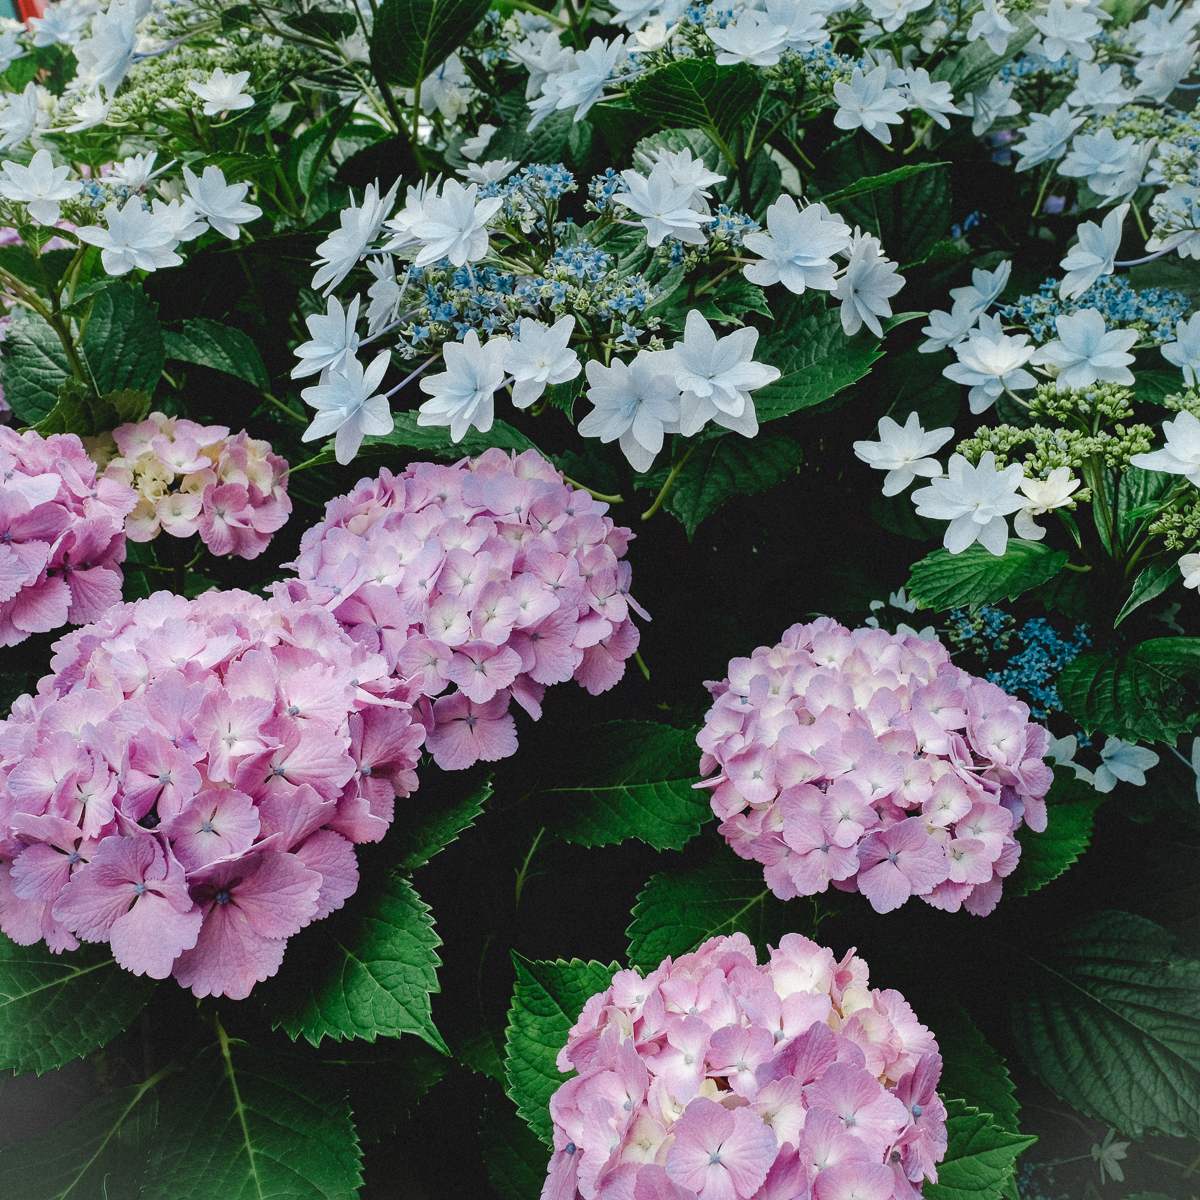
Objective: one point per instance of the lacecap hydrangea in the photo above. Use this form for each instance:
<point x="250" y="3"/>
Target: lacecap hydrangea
<point x="870" y="761"/>
<point x="493" y="578"/>
<point x="717" y="1078"/>
<point x="62" y="536"/>
<point x="188" y="783"/>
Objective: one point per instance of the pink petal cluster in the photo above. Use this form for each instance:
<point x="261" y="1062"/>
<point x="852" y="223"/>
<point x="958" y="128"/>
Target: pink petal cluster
<point x="62" y="536"/>
<point x="870" y="761"/>
<point x="492" y="578"/>
<point x="715" y="1078"/>
<point x="188" y="784"/>
<point x="193" y="478"/>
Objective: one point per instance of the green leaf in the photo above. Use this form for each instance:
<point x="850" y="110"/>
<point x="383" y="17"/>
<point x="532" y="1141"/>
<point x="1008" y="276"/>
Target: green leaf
<point x="412" y="38"/>
<point x="547" y="1000"/>
<point x="330" y="25"/>
<point x="222" y="347"/>
<point x="245" y="1124"/>
<point x="629" y="779"/>
<point x="1108" y="1017"/>
<point x="1149" y="692"/>
<point x="1151" y="582"/>
<point x="100" y="1151"/>
<point x="723" y="467"/>
<point x="977" y="576"/>
<point x="430" y="439"/>
<point x="695" y="92"/>
<point x="816" y="358"/>
<point x="972" y="1072"/>
<point x="422" y="838"/>
<point x="733" y="298"/>
<point x="1045" y="856"/>
<point x="980" y="1158"/>
<point x="973" y="66"/>
<point x="122" y="345"/>
<point x="364" y="972"/>
<point x="80" y="412"/>
<point x="56" y="1007"/>
<point x="513" y="1156"/>
<point x="1152" y="386"/>
<point x="873" y="183"/>
<point x="32" y="369"/>
<point x="386" y="1083"/>
<point x="678" y="910"/>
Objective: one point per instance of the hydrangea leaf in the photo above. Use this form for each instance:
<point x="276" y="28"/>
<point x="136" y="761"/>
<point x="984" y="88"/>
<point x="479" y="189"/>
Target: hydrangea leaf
<point x="123" y="346"/>
<point x="56" y="1007"/>
<point x="972" y="1072"/>
<point x="977" y="576"/>
<point x="629" y="779"/>
<point x="975" y="65"/>
<point x="816" y="358"/>
<point x="860" y="187"/>
<point x="222" y="347"/>
<point x="720" y="468"/>
<point x="547" y="1000"/>
<point x="513" y="1156"/>
<point x="696" y="93"/>
<point x="246" y="1124"/>
<point x="366" y="971"/>
<point x="732" y="299"/>
<point x="980" y="1159"/>
<point x="100" y="1151"/>
<point x="677" y="910"/>
<point x="1152" y="691"/>
<point x="421" y="839"/>
<point x="33" y="368"/>
<point x="1108" y="1016"/>
<point x="1045" y="856"/>
<point x="1151" y="582"/>
<point x="432" y="440"/>
<point x="81" y="412"/>
<point x="385" y="1083"/>
<point x="410" y="39"/>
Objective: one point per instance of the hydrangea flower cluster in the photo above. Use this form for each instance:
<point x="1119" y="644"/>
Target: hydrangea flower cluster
<point x="718" y="1076"/>
<point x="870" y="761"/>
<point x="494" y="578"/>
<point x="62" y="536"/>
<point x="192" y="478"/>
<point x="189" y="782"/>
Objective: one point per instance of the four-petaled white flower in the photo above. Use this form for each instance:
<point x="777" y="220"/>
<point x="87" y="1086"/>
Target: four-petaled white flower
<point x="539" y="355"/>
<point x="19" y="117"/>
<point x="591" y="69"/>
<point x="63" y="24"/>
<point x="1189" y="568"/>
<point x="41" y="186"/>
<point x="1093" y="255"/>
<point x="752" y="39"/>
<point x="1101" y="158"/>
<point x="1067" y="27"/>
<point x="1160" y="76"/>
<point x="136" y="171"/>
<point x="1124" y="762"/>
<point x="1181" y="454"/>
<point x="994" y="102"/>
<point x="802" y="19"/>
<point x="223" y="93"/>
<point x="178" y="218"/>
<point x="933" y="99"/>
<point x="1046" y="137"/>
<point x="990" y="363"/>
<point x="134" y="237"/>
<point x="1084" y="352"/>
<point x="1099" y="89"/>
<point x="342" y="249"/>
<point x="716" y="376"/>
<point x="491" y="171"/>
<point x="91" y="111"/>
<point x="688" y="172"/>
<point x="903" y="452"/>
<point x="473" y="147"/>
<point x="220" y="203"/>
<point x="463" y="394"/>
<point x="893" y="13"/>
<point x="1044" y="495"/>
<point x="869" y="282"/>
<point x="867" y="102"/>
<point x="334" y="340"/>
<point x="347" y="404"/>
<point x="1184" y="352"/>
<point x="105" y="58"/>
<point x="949" y="328"/>
<point x="798" y="248"/>
<point x="453" y="225"/>
<point x="666" y="209"/>
<point x="993" y="26"/>
<point x="636" y="404"/>
<point x="975" y="500"/>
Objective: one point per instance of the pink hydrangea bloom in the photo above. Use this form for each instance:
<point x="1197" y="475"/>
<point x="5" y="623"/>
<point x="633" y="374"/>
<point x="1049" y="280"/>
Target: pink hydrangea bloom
<point x="869" y="761"/>
<point x="62" y="537"/>
<point x="189" y="783"/>
<point x="480" y="584"/>
<point x="717" y="1078"/>
<point x="231" y="490"/>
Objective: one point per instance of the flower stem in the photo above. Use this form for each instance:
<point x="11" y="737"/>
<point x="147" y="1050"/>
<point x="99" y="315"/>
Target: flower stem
<point x="595" y="495"/>
<point x="666" y="487"/>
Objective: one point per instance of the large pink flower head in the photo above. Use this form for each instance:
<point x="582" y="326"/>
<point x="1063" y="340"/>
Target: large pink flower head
<point x="717" y="1078"/>
<point x="193" y="478"/>
<point x="189" y="783"/>
<point x="479" y="583"/>
<point x="62" y="536"/>
<point x="869" y="761"/>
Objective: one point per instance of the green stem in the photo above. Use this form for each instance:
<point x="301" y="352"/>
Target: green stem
<point x="523" y="872"/>
<point x="595" y="495"/>
<point x="279" y="404"/>
<point x="666" y="487"/>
